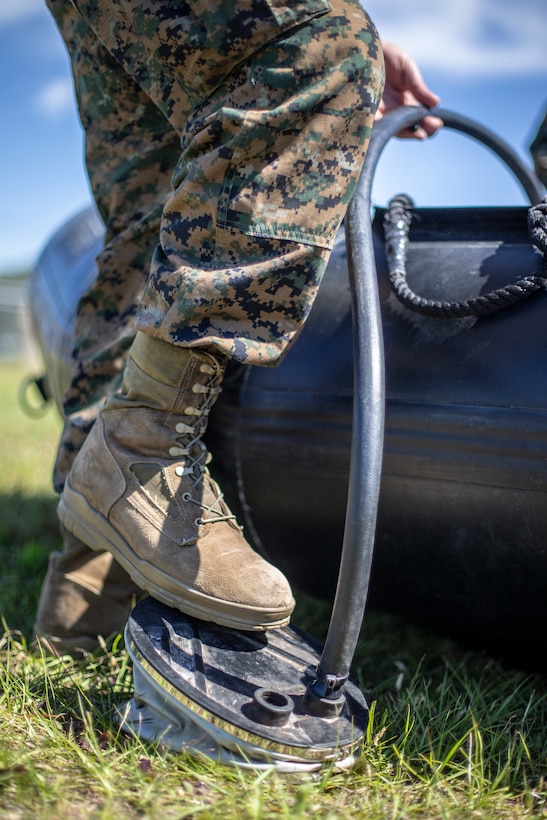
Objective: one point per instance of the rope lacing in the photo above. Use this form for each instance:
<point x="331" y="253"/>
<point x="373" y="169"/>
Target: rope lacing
<point x="189" y="446"/>
<point x="397" y="220"/>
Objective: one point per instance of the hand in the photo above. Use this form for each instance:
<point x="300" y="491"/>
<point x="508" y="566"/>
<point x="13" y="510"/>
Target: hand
<point x="405" y="86"/>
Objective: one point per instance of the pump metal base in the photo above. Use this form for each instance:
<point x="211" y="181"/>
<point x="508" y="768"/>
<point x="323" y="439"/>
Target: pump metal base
<point x="237" y="697"/>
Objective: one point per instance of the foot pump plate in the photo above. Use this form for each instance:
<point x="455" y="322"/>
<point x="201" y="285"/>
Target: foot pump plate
<point x="235" y="696"/>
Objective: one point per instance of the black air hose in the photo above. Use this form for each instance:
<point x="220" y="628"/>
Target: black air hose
<point x="369" y="400"/>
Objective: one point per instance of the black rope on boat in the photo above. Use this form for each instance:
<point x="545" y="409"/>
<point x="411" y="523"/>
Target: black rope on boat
<point x="397" y="221"/>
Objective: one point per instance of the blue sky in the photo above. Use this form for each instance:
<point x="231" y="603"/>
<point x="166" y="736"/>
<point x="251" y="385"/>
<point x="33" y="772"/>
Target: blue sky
<point x="486" y="59"/>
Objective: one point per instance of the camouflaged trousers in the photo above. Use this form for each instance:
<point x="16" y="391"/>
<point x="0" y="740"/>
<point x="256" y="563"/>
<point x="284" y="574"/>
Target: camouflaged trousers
<point x="223" y="144"/>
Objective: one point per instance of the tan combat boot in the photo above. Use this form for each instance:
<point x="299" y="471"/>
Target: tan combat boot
<point x="140" y="489"/>
<point x="85" y="595"/>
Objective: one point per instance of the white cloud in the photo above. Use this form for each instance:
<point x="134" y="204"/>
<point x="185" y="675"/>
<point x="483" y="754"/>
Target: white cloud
<point x="471" y="37"/>
<point x="12" y="11"/>
<point x="55" y="98"/>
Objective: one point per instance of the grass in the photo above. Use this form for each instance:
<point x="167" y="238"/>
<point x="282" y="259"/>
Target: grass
<point x="453" y="734"/>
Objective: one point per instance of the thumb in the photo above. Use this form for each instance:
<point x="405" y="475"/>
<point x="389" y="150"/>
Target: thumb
<point x="415" y="83"/>
<point x="404" y="75"/>
<point x="424" y="95"/>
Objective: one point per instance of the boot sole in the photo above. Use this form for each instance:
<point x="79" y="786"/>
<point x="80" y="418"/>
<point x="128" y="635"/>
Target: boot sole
<point x="83" y="521"/>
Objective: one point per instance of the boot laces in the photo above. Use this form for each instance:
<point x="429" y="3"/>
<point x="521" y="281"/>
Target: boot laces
<point x="188" y="445"/>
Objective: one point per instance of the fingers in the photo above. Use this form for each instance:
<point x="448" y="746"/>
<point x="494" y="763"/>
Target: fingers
<point x="422" y="130"/>
<point x="426" y="127"/>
